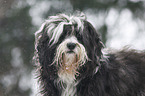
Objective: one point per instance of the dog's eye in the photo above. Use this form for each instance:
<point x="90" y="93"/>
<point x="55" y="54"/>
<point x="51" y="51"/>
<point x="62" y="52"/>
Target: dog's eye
<point x="78" y="35"/>
<point x="67" y="30"/>
<point x="62" y="37"/>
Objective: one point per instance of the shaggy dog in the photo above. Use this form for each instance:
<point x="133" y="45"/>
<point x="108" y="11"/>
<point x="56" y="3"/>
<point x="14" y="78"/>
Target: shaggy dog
<point x="71" y="62"/>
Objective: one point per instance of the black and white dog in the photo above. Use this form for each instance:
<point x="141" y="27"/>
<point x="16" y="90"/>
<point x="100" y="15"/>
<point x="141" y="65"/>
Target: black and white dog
<point x="71" y="62"/>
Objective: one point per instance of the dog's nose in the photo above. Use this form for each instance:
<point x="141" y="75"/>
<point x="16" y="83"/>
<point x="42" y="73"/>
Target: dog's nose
<point x="71" y="46"/>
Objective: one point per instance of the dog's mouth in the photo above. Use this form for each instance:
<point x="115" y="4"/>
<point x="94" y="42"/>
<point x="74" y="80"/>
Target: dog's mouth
<point x="70" y="51"/>
<point x="69" y="57"/>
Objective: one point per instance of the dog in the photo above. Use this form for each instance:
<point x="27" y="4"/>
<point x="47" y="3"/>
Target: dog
<point x="71" y="62"/>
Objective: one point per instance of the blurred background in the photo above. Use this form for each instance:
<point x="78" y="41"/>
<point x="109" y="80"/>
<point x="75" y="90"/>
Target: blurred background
<point x="119" y="22"/>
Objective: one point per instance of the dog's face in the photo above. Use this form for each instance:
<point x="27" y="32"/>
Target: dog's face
<point x="70" y="44"/>
<point x="70" y="55"/>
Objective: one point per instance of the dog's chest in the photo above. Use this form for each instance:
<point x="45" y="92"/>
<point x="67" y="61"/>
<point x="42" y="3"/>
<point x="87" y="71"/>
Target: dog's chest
<point x="68" y="85"/>
<point x="69" y="90"/>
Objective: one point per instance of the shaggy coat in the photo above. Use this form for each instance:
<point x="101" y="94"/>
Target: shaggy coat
<point x="118" y="73"/>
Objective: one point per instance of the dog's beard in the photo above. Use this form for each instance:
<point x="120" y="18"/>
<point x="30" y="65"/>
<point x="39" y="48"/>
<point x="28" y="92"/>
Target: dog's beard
<point x="68" y="62"/>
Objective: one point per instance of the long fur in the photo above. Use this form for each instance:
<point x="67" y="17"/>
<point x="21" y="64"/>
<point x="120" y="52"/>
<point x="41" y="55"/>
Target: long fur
<point x="84" y="70"/>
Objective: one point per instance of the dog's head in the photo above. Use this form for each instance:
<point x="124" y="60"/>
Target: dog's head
<point x="69" y="43"/>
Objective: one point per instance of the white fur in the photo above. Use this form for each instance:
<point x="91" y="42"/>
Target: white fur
<point x="70" y="90"/>
<point x="69" y="77"/>
<point x="79" y="50"/>
<point x="55" y="24"/>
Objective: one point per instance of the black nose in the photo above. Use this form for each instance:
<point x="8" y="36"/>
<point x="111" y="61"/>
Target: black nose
<point x="71" y="46"/>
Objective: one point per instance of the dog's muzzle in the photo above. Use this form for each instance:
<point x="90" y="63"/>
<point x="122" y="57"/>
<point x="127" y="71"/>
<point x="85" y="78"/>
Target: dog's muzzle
<point x="70" y="55"/>
<point x="71" y="47"/>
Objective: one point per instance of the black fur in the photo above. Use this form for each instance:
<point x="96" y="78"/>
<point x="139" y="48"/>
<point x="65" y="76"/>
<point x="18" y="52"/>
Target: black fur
<point x="121" y="74"/>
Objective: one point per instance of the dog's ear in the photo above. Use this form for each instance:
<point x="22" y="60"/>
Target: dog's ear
<point x="92" y="38"/>
<point x="92" y="43"/>
<point x="39" y="33"/>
